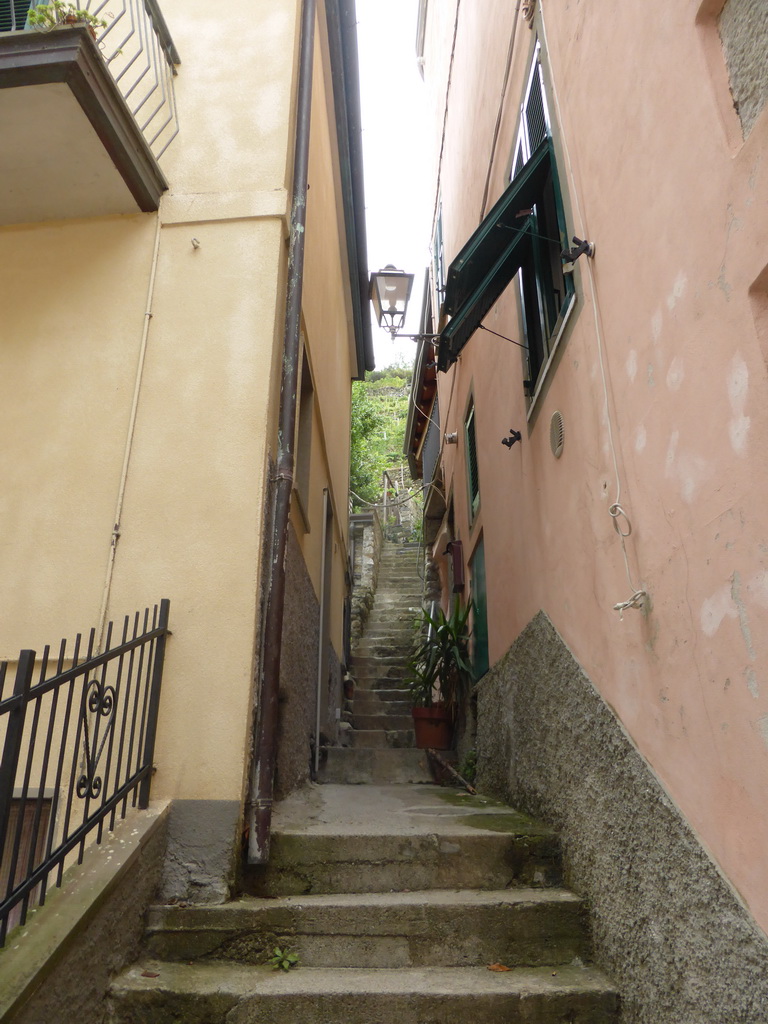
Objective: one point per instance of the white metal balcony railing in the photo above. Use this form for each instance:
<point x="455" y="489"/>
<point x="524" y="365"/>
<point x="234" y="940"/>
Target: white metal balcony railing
<point x="139" y="52"/>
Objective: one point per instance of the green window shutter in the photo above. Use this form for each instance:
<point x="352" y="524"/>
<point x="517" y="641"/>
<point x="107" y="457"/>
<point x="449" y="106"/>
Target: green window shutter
<point x="535" y="111"/>
<point x="13" y="14"/>
<point x="471" y="453"/>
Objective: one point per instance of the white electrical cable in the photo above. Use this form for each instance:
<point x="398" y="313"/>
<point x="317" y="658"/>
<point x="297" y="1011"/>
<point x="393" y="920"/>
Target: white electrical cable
<point x="640" y="597"/>
<point x="129" y="436"/>
<point x="497" y="129"/>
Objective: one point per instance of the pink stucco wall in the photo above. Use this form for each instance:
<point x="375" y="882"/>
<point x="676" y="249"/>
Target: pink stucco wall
<point x="655" y="171"/>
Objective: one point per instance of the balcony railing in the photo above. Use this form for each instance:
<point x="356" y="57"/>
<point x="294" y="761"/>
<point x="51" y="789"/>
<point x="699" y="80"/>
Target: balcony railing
<point x="139" y="52"/>
<point x="78" y="746"/>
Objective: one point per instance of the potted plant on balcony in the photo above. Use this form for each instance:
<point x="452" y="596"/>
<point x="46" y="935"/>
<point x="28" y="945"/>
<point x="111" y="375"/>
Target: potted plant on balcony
<point x="440" y="675"/>
<point x="58" y="13"/>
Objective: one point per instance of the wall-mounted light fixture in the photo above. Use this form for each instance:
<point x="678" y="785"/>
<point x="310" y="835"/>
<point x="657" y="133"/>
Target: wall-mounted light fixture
<point x="390" y="293"/>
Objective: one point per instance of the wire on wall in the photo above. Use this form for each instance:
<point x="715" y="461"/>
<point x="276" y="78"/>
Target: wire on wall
<point x="639" y="598"/>
<point x="497" y="128"/>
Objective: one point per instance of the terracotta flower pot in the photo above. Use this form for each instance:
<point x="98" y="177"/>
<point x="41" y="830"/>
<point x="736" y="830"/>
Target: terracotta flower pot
<point x="433" y="727"/>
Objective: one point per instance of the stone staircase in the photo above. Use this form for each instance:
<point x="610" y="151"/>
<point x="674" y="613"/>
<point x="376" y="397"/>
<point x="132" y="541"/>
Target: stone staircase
<point x="396" y="900"/>
<point x="380" y="712"/>
<point x="401" y="902"/>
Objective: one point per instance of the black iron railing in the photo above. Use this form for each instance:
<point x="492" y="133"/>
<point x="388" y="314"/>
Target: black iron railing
<point x="78" y="746"/>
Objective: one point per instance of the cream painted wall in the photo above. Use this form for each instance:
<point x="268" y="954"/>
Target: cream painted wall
<point x="677" y="207"/>
<point x="193" y="509"/>
<point x="329" y="338"/>
<point x="74" y="297"/>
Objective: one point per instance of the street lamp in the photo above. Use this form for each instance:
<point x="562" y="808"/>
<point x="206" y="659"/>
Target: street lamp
<point x="390" y="292"/>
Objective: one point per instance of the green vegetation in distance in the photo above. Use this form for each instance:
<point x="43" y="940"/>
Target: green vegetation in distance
<point x="379" y="414"/>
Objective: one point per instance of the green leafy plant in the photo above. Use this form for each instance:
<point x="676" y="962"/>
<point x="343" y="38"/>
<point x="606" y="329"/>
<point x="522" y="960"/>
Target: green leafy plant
<point x="282" y="960"/>
<point x="45" y="17"/>
<point x="467" y="767"/>
<point x="440" y="668"/>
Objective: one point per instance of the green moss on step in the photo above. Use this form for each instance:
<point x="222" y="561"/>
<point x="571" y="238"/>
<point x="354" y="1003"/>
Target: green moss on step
<point x="505" y="821"/>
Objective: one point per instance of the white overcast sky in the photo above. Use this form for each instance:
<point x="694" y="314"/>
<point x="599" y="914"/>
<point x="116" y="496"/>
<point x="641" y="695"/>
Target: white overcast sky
<point x="397" y="199"/>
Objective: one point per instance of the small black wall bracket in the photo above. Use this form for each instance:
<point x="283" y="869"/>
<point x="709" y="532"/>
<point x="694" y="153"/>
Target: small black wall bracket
<point x="581" y="247"/>
<point x="514" y="436"/>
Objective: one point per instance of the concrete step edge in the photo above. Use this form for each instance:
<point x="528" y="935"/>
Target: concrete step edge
<point x="237" y="981"/>
<point x="206" y="915"/>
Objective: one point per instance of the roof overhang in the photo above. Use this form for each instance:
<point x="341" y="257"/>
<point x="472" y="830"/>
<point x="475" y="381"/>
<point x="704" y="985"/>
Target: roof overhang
<point x="342" y="41"/>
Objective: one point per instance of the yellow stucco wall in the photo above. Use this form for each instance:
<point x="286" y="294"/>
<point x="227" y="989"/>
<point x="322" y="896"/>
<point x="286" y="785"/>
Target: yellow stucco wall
<point x="74" y="296"/>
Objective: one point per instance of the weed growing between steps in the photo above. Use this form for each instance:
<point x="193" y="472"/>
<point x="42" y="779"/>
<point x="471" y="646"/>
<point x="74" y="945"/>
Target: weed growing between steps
<point x="283" y="959"/>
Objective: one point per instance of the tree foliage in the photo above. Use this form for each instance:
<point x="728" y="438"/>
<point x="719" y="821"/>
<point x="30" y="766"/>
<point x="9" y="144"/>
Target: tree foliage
<point x="379" y="413"/>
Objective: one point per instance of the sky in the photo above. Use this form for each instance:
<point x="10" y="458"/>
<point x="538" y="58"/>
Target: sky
<point x="398" y="202"/>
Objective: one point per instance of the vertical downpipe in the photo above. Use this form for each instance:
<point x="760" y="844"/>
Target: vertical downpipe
<point x="265" y="732"/>
<point x="323" y="631"/>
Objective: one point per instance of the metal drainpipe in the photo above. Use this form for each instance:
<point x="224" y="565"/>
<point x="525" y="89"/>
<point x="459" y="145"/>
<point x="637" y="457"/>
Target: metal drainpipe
<point x="265" y="733"/>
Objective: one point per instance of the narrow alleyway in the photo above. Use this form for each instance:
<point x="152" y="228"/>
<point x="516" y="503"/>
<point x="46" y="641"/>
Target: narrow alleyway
<point x="378" y="717"/>
<point x="398" y="899"/>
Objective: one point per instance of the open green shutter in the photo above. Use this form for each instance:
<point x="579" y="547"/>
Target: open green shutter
<point x="492" y="256"/>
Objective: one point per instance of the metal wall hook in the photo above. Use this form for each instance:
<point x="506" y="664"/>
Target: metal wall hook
<point x="514" y="436"/>
<point x="581" y="247"/>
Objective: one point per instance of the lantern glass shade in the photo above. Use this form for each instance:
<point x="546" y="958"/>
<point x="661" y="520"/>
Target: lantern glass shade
<point x="390" y="292"/>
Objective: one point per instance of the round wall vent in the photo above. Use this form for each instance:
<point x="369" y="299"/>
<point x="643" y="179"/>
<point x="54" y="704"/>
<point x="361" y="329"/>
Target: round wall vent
<point x="556" y="434"/>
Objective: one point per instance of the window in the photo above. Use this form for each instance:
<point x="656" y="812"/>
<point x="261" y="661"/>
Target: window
<point x="522" y="236"/>
<point x="473" y="479"/>
<point x="35" y="814"/>
<point x="545" y="291"/>
<point x="438" y="266"/>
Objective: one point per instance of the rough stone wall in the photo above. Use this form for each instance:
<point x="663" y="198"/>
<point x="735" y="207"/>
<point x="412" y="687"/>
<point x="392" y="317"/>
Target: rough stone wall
<point x="369" y="540"/>
<point x="298" y="673"/>
<point x="744" y="34"/>
<point x="667" y="926"/>
<point x="75" y="990"/>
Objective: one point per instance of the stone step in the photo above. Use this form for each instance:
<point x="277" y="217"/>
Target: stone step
<point x="402" y="612"/>
<point x="373" y="668"/>
<point x="388" y="631"/>
<point x="382" y="650"/>
<point x="396" y="580"/>
<point x="383" y="721"/>
<point x="384" y="664"/>
<point x="385" y="621"/>
<point x="166" y="993"/>
<point x="375" y="706"/>
<point x="395" y="739"/>
<point x="390" y="584"/>
<point x="374" y="682"/>
<point x="399" y="862"/>
<point x="384" y="692"/>
<point x="517" y="927"/>
<point x="350" y="766"/>
<point x="377" y="647"/>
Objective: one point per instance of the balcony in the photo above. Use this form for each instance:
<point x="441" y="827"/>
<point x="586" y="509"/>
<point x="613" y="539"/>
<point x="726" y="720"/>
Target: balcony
<point x="84" y="120"/>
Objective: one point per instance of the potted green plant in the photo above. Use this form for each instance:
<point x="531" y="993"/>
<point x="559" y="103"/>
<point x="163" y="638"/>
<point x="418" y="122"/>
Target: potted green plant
<point x="440" y="675"/>
<point x="55" y="13"/>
